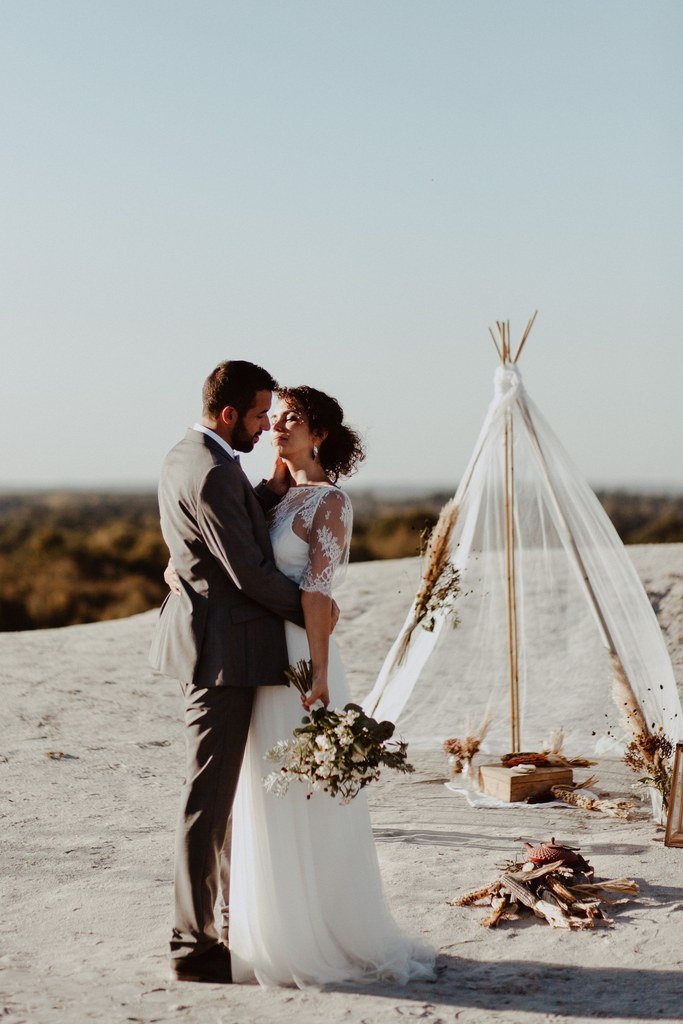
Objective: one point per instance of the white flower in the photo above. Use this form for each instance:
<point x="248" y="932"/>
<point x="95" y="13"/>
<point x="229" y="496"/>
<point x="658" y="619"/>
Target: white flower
<point x="276" y="783"/>
<point x="278" y="752"/>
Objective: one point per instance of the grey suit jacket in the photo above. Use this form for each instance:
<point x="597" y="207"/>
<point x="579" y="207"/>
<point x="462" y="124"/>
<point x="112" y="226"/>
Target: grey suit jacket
<point x="226" y="628"/>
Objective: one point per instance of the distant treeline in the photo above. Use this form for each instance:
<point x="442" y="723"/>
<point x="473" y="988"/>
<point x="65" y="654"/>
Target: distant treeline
<point x="70" y="557"/>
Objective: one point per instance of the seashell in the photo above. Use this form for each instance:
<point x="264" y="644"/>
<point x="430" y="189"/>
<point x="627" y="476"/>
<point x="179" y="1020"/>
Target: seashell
<point x="546" y="852"/>
<point x="541" y="854"/>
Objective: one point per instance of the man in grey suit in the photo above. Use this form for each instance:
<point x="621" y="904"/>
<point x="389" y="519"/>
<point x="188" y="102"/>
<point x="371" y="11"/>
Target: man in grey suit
<point x="220" y="633"/>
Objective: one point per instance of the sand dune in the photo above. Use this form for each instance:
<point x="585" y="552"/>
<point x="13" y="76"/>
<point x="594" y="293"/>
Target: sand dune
<point x="87" y="849"/>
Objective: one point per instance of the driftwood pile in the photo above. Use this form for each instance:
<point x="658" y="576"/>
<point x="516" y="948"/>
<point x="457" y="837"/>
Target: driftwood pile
<point x="555" y="884"/>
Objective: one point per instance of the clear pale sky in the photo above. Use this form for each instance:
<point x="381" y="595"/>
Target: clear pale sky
<point x="347" y="193"/>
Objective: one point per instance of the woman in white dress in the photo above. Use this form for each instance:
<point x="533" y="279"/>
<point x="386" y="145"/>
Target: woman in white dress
<point x="306" y="899"/>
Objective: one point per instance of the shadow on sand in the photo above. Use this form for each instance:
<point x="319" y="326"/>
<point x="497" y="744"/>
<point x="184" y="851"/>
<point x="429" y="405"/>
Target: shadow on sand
<point x="520" y="985"/>
<point x="431" y="837"/>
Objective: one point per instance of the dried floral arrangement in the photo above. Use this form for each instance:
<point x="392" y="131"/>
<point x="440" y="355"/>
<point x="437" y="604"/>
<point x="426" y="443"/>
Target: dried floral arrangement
<point x="440" y="584"/>
<point x="649" y="752"/>
<point x="551" y="754"/>
<point x="463" y="750"/>
<point x="650" y="757"/>
<point x="555" y="884"/>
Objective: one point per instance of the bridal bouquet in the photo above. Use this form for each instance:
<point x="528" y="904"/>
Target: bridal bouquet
<point x="338" y="752"/>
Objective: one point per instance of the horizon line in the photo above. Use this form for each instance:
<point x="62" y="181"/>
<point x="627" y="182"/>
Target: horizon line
<point x="668" y="487"/>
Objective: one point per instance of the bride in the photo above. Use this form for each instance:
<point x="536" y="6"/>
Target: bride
<point x="306" y="899"/>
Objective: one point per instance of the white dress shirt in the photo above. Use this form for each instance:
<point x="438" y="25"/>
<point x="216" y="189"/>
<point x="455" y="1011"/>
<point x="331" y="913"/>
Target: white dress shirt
<point x="212" y="433"/>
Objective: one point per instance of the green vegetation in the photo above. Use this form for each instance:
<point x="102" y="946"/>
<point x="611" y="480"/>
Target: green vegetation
<point x="70" y="557"/>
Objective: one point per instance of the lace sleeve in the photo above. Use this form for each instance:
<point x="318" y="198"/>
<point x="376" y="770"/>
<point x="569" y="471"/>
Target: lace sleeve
<point x="329" y="541"/>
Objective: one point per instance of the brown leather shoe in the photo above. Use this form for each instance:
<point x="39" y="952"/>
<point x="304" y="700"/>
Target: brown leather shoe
<point x="212" y="967"/>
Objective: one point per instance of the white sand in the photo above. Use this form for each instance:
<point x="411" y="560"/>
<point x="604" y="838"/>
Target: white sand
<point x="87" y="850"/>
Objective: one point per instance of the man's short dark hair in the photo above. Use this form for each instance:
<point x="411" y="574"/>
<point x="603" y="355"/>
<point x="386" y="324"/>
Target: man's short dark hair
<point x="235" y="382"/>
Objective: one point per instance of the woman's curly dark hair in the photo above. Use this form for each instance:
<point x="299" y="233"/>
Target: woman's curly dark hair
<point x="343" y="448"/>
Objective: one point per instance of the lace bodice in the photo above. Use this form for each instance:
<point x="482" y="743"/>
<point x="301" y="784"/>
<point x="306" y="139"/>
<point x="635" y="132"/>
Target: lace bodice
<point x="311" y="534"/>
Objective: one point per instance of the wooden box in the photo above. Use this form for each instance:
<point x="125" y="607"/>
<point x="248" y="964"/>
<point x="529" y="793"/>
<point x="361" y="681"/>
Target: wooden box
<point x="512" y="784"/>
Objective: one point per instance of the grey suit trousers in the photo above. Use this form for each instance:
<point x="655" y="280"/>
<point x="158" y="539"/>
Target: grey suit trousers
<point x="217" y="723"/>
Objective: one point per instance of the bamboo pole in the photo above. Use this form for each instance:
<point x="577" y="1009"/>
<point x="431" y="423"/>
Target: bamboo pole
<point x="510" y="582"/>
<point x="493" y="339"/>
<point x="513" y="562"/>
<point x="527" y="331"/>
<point x="510" y="558"/>
<point x="504" y="350"/>
<point x="508" y="601"/>
<point x="501" y="335"/>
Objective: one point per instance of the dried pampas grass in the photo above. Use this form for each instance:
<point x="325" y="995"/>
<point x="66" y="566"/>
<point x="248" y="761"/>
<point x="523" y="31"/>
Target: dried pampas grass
<point x="649" y="751"/>
<point x="553" y="749"/>
<point x="554" y="744"/>
<point x="440" y="580"/>
<point x="627" y="702"/>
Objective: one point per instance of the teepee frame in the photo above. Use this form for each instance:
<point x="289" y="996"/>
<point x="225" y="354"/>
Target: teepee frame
<point x="624" y="692"/>
<point x="643" y="682"/>
<point x="504" y="350"/>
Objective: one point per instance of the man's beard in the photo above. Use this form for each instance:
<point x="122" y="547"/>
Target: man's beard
<point x="242" y="440"/>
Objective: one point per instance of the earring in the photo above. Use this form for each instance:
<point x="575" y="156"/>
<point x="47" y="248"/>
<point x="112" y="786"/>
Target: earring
<point x="315" y="451"/>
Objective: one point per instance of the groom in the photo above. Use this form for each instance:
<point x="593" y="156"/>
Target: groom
<point x="221" y="634"/>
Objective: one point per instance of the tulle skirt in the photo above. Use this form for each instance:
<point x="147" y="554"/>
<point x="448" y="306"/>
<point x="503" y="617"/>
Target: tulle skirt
<point x="306" y="899"/>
